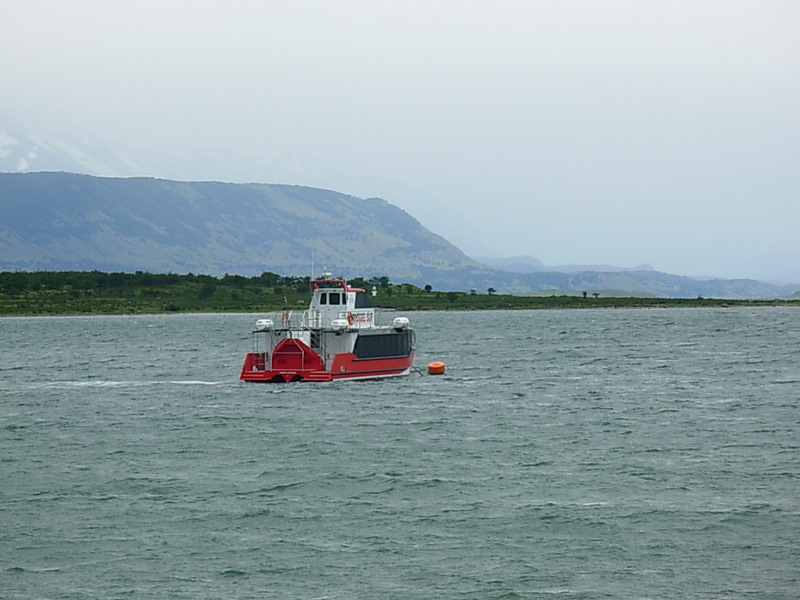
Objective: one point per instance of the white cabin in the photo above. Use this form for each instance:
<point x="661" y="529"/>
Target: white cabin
<point x="336" y="305"/>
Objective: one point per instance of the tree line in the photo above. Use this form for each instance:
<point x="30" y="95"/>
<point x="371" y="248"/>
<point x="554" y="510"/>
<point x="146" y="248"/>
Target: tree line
<point x="94" y="292"/>
<point x="79" y="292"/>
<point x="16" y="281"/>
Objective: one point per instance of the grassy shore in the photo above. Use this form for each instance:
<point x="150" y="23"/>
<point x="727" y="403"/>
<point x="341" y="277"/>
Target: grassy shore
<point x="81" y="293"/>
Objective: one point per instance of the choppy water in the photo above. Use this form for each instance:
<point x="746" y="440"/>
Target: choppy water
<point x="565" y="454"/>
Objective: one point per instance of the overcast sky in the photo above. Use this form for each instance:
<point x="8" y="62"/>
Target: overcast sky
<point x="595" y="132"/>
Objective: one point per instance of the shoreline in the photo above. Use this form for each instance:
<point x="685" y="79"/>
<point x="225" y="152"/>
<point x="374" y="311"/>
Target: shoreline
<point x="659" y="303"/>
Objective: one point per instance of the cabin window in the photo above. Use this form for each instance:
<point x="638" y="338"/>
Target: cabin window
<point x="335" y="298"/>
<point x="323" y="298"/>
<point x="396" y="343"/>
<point x="362" y="301"/>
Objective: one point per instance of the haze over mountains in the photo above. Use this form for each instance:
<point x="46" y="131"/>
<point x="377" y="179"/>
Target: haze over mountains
<point x="24" y="149"/>
<point x="61" y="221"/>
<point x="529" y="264"/>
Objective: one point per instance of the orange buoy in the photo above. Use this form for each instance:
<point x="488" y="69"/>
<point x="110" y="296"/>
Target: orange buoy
<point x="436" y="368"/>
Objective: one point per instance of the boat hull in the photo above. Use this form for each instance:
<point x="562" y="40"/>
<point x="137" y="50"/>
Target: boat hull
<point x="343" y="366"/>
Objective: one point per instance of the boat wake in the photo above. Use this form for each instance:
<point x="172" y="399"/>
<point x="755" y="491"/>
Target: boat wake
<point x="117" y="384"/>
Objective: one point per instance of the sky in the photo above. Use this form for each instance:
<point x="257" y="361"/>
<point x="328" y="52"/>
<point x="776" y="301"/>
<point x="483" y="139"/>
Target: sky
<point x="619" y="132"/>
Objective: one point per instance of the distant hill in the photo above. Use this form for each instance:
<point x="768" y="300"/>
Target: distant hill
<point x="529" y="264"/>
<point x="62" y="221"/>
<point x="637" y="283"/>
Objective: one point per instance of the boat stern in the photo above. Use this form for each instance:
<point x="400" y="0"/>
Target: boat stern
<point x="291" y="360"/>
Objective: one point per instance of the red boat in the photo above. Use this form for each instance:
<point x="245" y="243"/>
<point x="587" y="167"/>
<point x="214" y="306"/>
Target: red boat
<point x="336" y="338"/>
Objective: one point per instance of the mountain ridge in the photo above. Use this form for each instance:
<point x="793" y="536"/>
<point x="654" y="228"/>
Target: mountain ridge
<point x="72" y="221"/>
<point x="66" y="221"/>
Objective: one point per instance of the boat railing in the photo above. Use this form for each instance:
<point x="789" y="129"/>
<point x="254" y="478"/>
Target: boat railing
<point x="311" y="319"/>
<point x="356" y="319"/>
<point x="290" y="319"/>
<point x="287" y="319"/>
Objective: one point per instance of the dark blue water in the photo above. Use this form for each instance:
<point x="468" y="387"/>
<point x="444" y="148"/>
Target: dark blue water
<point x="565" y="454"/>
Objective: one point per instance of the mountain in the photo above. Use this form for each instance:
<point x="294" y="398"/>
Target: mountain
<point x="655" y="283"/>
<point x="62" y="221"/>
